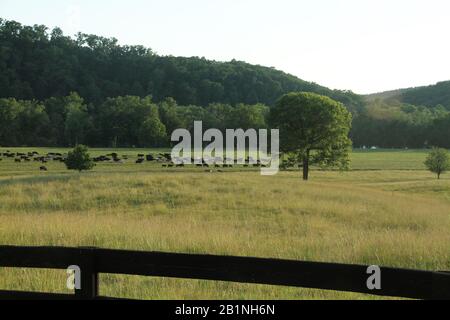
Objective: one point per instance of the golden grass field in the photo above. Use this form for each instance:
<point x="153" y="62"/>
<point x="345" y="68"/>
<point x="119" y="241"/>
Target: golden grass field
<point x="385" y="216"/>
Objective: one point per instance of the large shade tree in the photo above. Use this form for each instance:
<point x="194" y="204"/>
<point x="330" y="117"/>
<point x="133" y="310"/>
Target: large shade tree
<point x="314" y="129"/>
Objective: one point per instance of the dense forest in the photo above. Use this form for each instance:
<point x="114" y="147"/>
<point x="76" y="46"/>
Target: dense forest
<point x="57" y="90"/>
<point x="38" y="64"/>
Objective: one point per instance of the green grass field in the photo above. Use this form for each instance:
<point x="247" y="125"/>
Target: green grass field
<point x="387" y="210"/>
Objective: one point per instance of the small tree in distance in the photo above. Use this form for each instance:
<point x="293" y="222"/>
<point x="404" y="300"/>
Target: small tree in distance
<point x="78" y="159"/>
<point x="438" y="161"/>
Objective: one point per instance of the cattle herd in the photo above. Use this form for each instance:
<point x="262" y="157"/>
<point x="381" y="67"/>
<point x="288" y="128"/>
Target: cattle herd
<point x="34" y="156"/>
<point x="165" y="159"/>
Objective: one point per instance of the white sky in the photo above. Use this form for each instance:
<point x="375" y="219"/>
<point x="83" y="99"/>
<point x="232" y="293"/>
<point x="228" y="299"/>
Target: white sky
<point x="362" y="45"/>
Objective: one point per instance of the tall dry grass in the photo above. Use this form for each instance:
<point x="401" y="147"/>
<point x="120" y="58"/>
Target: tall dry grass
<point x="354" y="217"/>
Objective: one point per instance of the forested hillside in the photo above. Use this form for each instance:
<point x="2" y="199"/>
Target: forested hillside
<point x="59" y="91"/>
<point x="36" y="63"/>
<point x="430" y="96"/>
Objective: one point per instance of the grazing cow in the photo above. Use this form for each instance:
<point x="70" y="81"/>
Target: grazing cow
<point x="43" y="168"/>
<point x="140" y="155"/>
<point x="17" y="160"/>
<point x="181" y="165"/>
<point x="139" y="161"/>
<point x="150" y="157"/>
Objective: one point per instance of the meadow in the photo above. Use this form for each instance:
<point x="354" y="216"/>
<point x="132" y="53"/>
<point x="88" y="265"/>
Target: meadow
<point x="387" y="210"/>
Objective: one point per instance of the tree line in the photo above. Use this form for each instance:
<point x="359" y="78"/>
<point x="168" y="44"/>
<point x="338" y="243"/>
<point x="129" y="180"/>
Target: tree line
<point x="128" y="121"/>
<point x="132" y="121"/>
<point x="400" y="125"/>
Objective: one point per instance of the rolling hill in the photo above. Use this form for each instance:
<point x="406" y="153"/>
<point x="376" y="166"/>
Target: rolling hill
<point x="36" y="63"/>
<point x="428" y="96"/>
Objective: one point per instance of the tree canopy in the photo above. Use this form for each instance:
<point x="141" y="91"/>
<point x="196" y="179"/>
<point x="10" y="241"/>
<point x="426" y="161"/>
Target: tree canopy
<point x="314" y="129"/>
<point x="36" y="63"/>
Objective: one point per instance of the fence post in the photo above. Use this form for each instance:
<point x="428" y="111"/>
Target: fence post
<point x="440" y="285"/>
<point x="89" y="275"/>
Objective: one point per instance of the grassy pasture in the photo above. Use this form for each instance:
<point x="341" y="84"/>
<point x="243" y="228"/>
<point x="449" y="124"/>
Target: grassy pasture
<point x="360" y="160"/>
<point x="387" y="211"/>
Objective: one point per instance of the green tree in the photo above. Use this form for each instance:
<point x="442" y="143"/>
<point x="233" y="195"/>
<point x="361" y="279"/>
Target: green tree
<point x="78" y="122"/>
<point x="169" y="116"/>
<point x="10" y="110"/>
<point x="79" y="159"/>
<point x="314" y="128"/>
<point x="153" y="131"/>
<point x="438" y="161"/>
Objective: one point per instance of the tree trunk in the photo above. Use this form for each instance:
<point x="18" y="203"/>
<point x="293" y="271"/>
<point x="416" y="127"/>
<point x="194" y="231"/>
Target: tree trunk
<point x="306" y="166"/>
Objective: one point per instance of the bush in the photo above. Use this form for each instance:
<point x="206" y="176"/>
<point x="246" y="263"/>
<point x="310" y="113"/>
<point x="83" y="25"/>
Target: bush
<point x="78" y="159"/>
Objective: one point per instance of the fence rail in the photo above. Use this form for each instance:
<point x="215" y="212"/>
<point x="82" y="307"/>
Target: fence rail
<point x="395" y="282"/>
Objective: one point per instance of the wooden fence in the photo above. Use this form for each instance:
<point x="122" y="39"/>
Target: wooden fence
<point x="395" y="282"/>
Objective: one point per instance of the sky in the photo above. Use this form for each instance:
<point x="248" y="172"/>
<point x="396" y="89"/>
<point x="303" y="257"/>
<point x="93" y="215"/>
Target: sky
<point x="365" y="46"/>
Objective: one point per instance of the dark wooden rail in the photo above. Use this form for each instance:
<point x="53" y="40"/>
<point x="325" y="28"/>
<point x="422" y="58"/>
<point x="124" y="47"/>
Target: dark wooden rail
<point x="395" y="282"/>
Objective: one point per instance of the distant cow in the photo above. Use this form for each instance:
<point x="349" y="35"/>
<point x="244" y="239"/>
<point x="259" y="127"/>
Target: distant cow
<point x="43" y="168"/>
<point x="139" y="161"/>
